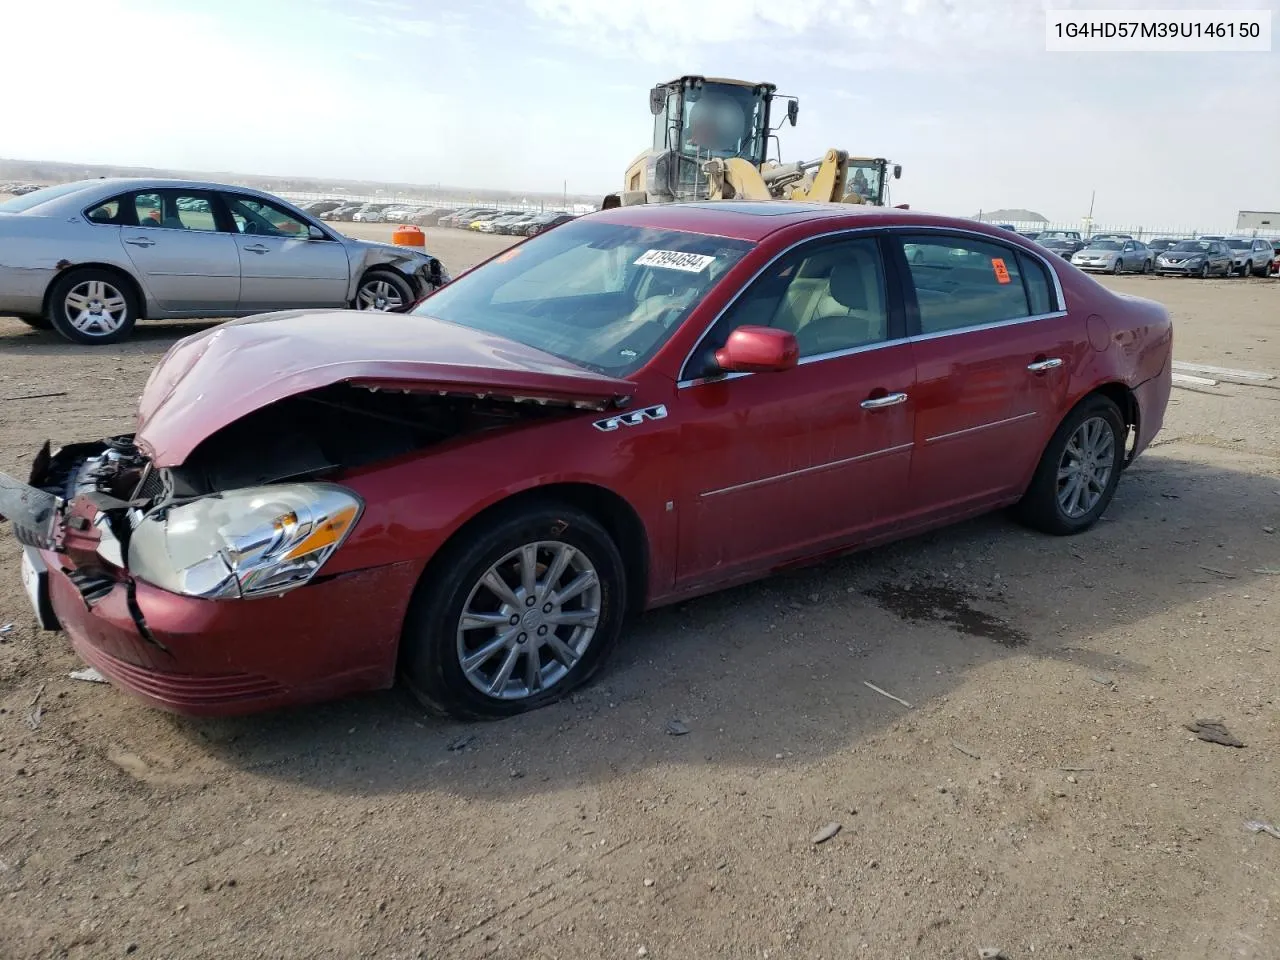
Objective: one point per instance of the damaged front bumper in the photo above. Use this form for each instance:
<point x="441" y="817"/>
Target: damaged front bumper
<point x="183" y="653"/>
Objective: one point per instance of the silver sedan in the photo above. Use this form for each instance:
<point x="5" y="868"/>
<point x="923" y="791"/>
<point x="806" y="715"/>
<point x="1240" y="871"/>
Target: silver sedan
<point x="1115" y="256"/>
<point x="92" y="258"/>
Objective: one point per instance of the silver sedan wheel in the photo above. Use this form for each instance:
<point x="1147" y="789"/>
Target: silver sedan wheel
<point x="378" y="295"/>
<point x="1085" y="468"/>
<point x="96" y="308"/>
<point x="529" y="620"/>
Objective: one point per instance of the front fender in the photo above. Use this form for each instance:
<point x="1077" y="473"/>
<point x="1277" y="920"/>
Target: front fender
<point x="425" y="272"/>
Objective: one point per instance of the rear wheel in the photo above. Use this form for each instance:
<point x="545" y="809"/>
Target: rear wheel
<point x="1147" y="266"/>
<point x="1078" y="471"/>
<point x="92" y="306"/>
<point x="515" y="616"/>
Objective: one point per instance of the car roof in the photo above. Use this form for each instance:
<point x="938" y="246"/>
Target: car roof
<point x="753" y="220"/>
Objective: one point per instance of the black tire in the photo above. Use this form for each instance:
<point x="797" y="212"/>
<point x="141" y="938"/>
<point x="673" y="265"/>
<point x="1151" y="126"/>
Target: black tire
<point x="1204" y="271"/>
<point x="1119" y="267"/>
<point x="1147" y="266"/>
<point x="394" y="280"/>
<point x="1039" y="507"/>
<point x="56" y="312"/>
<point x="429" y="649"/>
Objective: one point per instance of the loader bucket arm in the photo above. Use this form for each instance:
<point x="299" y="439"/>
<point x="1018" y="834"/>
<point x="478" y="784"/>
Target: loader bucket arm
<point x="735" y="179"/>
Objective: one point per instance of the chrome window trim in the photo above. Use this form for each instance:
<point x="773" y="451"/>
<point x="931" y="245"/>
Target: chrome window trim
<point x="1059" y="295"/>
<point x="816" y="468"/>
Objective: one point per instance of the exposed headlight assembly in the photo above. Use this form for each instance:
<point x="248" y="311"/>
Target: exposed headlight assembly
<point x="254" y="542"/>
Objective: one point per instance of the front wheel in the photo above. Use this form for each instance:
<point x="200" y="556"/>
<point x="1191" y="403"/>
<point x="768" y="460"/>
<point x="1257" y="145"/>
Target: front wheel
<point x="1204" y="272"/>
<point x="92" y="306"/>
<point x="384" y="290"/>
<point x="515" y="616"/>
<point x="1119" y="267"/>
<point x="1078" y="471"/>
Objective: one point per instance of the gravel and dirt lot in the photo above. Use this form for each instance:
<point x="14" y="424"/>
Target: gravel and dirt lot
<point x="1039" y="795"/>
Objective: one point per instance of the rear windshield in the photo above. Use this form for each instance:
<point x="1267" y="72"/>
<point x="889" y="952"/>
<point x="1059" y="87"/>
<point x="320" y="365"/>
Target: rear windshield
<point x="602" y="295"/>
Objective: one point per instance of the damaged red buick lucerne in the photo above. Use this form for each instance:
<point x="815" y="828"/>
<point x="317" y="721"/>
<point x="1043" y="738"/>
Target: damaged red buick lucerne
<point x="645" y="404"/>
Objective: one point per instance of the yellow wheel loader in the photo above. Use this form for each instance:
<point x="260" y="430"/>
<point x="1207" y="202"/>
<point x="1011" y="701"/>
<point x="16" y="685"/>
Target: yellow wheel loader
<point x="710" y="142"/>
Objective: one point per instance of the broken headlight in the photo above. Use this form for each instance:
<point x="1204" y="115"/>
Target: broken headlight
<point x="258" y="541"/>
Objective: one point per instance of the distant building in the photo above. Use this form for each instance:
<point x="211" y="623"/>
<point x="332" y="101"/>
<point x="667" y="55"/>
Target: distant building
<point x="1258" y="220"/>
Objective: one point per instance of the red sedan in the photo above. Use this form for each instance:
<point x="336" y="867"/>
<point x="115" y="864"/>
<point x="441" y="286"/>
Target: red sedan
<point x="639" y="406"/>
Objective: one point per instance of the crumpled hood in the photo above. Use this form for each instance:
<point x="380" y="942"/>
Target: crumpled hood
<point x="208" y="381"/>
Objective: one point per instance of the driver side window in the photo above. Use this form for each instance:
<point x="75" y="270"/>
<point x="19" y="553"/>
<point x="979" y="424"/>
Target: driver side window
<point x="831" y="297"/>
<point x="257" y="217"/>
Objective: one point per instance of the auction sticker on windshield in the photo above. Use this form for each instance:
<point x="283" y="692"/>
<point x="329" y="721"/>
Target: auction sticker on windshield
<point x="675" y="260"/>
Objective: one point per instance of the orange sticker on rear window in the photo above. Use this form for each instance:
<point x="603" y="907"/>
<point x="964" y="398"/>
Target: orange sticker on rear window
<point x="1002" y="272"/>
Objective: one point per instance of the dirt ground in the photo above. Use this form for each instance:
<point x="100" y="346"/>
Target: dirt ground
<point x="1040" y="794"/>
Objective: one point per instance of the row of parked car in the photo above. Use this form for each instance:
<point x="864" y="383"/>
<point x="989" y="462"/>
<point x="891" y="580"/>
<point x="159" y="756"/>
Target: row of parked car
<point x="524" y="223"/>
<point x="19" y="189"/>
<point x="1210" y="255"/>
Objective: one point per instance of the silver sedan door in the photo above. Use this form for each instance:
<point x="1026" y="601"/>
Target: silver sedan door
<point x="185" y="262"/>
<point x="1131" y="256"/>
<point x="282" y="265"/>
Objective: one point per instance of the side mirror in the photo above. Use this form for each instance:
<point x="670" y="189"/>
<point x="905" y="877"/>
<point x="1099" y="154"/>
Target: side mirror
<point x="897" y="171"/>
<point x="315" y="233"/>
<point x="793" y="111"/>
<point x="657" y="99"/>
<point x="758" y="350"/>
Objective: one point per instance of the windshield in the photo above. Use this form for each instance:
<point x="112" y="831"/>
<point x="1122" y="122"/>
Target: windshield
<point x="601" y="295"/>
<point x="1104" y="245"/>
<point x="1240" y="244"/>
<point x="1192" y="246"/>
<point x="1055" y="242"/>
<point x="37" y="197"/>
<point x="725" y="120"/>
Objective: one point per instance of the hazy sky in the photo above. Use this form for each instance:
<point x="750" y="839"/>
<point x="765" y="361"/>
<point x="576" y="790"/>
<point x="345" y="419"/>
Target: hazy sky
<point x="529" y="93"/>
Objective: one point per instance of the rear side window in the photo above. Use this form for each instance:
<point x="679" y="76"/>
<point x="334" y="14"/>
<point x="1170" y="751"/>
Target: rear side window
<point x="1040" y="294"/>
<point x="965" y="282"/>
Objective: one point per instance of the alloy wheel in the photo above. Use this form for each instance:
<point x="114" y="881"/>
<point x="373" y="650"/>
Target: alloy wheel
<point x="1085" y="467"/>
<point x="528" y="620"/>
<point x="378" y="295"/>
<point x="96" y="308"/>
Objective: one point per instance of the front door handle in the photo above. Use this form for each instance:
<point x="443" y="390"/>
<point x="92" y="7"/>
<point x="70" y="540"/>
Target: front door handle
<point x="888" y="400"/>
<point x="1042" y="365"/>
<point x="258" y="248"/>
<point x="141" y="241"/>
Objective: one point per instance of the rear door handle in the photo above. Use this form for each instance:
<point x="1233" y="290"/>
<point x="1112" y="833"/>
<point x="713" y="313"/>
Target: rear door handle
<point x="141" y="241"/>
<point x="888" y="400"/>
<point x="258" y="248"/>
<point x="1042" y="365"/>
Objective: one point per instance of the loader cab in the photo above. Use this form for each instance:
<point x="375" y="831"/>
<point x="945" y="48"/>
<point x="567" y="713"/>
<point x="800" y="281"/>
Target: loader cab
<point x="696" y="119"/>
<point x="867" y="180"/>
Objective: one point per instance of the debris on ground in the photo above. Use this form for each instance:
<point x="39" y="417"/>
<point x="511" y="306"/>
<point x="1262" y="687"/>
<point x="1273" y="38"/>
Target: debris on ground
<point x="88" y="674"/>
<point x="460" y="743"/>
<point x="1213" y="731"/>
<point x="677" y="728"/>
<point x="967" y="751"/>
<point x="884" y="693"/>
<point x="991" y="953"/>
<point x="826" y="833"/>
<point x="6" y="628"/>
<point x="1257" y="826"/>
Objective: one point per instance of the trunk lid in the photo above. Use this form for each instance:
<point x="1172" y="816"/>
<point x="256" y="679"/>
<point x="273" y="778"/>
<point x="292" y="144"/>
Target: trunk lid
<point x="208" y="381"/>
